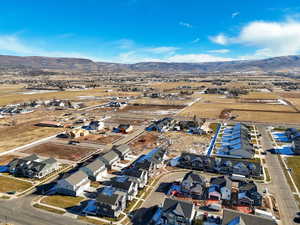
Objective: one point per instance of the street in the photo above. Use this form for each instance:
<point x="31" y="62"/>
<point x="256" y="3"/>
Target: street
<point x="279" y="186"/>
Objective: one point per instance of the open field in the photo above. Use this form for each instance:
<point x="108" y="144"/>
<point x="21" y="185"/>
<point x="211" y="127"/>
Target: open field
<point x="213" y="110"/>
<point x="260" y="95"/>
<point x="14" y="95"/>
<point x="11" y="184"/>
<point x="62" y="201"/>
<point x="153" y="110"/>
<point x="60" y="151"/>
<point x="123" y="120"/>
<point x="144" y="143"/>
<point x="21" y="134"/>
<point x="172" y="85"/>
<point x="294" y="164"/>
<point x="98" y="139"/>
<point x="158" y="101"/>
<point x="267" y="117"/>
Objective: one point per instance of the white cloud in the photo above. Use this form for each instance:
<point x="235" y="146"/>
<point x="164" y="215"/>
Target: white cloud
<point x="195" y="41"/>
<point x="235" y="14"/>
<point x="220" y="39"/>
<point x="220" y="51"/>
<point x="161" y="50"/>
<point x="269" y="38"/>
<point x="184" y="24"/>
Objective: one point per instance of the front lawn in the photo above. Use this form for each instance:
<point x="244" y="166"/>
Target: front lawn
<point x="293" y="162"/>
<point x="62" y="201"/>
<point x="13" y="185"/>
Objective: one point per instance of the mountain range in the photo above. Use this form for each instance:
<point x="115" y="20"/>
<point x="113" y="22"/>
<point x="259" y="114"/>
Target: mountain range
<point x="275" y="64"/>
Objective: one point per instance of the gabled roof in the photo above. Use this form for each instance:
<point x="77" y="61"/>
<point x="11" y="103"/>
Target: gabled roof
<point x="181" y="208"/>
<point x="95" y="165"/>
<point x="76" y="177"/>
<point x="123" y="149"/>
<point x="110" y="156"/>
<point x="109" y="195"/>
<point x="229" y="217"/>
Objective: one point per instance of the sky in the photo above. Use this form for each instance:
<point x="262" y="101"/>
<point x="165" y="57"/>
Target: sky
<point x="130" y="31"/>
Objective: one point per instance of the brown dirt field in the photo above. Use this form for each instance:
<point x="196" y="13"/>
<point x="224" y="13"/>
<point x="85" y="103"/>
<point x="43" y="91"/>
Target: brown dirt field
<point x="294" y="101"/>
<point x="289" y="94"/>
<point x="267" y="117"/>
<point x="144" y="143"/>
<point x="25" y="133"/>
<point x="98" y="139"/>
<point x="73" y="153"/>
<point x="4" y="160"/>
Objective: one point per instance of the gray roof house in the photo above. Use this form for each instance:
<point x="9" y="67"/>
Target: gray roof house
<point x="140" y="175"/>
<point x="110" y="159"/>
<point x="177" y="212"/>
<point x="126" y="184"/>
<point x="193" y="185"/>
<point x="73" y="185"/>
<point x="122" y="151"/>
<point x="110" y="202"/>
<point x="231" y="217"/>
<point x="33" y="167"/>
<point x="95" y="170"/>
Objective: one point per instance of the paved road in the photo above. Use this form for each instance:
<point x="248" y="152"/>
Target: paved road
<point x="19" y="212"/>
<point x="279" y="185"/>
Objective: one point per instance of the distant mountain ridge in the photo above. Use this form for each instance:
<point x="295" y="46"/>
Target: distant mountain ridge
<point x="274" y="64"/>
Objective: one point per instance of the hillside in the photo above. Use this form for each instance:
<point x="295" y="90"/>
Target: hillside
<point x="284" y="63"/>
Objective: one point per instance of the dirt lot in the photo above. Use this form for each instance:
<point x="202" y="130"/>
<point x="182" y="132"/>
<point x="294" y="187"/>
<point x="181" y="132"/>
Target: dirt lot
<point x="98" y="139"/>
<point x="60" y="151"/>
<point x="22" y="134"/>
<point x="144" y="143"/>
<point x="186" y="142"/>
<point x="4" y="160"/>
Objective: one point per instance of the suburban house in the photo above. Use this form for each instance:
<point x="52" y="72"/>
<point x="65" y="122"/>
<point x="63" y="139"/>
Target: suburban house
<point x="33" y="167"/>
<point x="110" y="202"/>
<point x="225" y="166"/>
<point x="123" y="128"/>
<point x="152" y="160"/>
<point x="223" y="185"/>
<point x="162" y="125"/>
<point x="95" y="170"/>
<point x="75" y="133"/>
<point x="232" y="217"/>
<point x="122" y="150"/>
<point x="236" y="143"/>
<point x="126" y="184"/>
<point x="73" y="185"/>
<point x="176" y="212"/>
<point x="193" y="185"/>
<point x="140" y="175"/>
<point x="110" y="159"/>
<point x="95" y="125"/>
<point x="248" y="194"/>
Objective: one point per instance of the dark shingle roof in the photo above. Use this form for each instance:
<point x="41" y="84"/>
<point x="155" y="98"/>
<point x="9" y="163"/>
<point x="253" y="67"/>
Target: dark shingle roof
<point x="182" y="207"/>
<point x="248" y="219"/>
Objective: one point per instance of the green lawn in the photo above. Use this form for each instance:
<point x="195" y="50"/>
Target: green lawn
<point x="10" y="185"/>
<point x="62" y="201"/>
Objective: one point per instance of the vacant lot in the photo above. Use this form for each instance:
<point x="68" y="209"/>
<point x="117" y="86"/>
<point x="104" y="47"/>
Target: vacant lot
<point x="267" y="117"/>
<point x="21" y="134"/>
<point x="144" y="143"/>
<point x="5" y="159"/>
<point x="62" y="201"/>
<point x="60" y="151"/>
<point x="157" y="101"/>
<point x="11" y="184"/>
<point x="213" y="110"/>
<point x="131" y="121"/>
<point x="260" y="95"/>
<point x="294" y="164"/>
<point x="98" y="139"/>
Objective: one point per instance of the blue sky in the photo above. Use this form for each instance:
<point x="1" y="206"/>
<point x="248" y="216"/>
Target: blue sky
<point x="130" y="31"/>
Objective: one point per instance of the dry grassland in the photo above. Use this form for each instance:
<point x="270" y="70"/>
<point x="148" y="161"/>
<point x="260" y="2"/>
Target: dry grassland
<point x="267" y="117"/>
<point x="260" y="95"/>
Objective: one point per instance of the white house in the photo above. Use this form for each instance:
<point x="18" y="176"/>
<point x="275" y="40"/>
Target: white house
<point x="74" y="185"/>
<point x="95" y="170"/>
